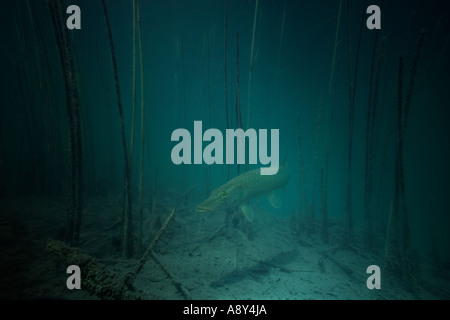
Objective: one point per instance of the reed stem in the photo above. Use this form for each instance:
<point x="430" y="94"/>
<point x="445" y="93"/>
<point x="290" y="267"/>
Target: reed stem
<point x="141" y="163"/>
<point x="348" y="232"/>
<point x="225" y="76"/>
<point x="133" y="116"/>
<point x="252" y="64"/>
<point x="127" y="240"/>
<point x="73" y="108"/>
<point x="238" y="93"/>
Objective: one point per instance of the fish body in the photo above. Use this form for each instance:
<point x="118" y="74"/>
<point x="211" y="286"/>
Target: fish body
<point x="239" y="190"/>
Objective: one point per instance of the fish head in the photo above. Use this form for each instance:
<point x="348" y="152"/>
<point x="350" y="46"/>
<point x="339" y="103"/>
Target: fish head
<point x="214" y="202"/>
<point x="221" y="199"/>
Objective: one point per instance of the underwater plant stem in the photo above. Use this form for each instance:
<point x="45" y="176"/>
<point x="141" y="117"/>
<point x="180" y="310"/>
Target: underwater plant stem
<point x="392" y="253"/>
<point x="251" y="64"/>
<point x="73" y="108"/>
<point x="370" y="121"/>
<point x="238" y="93"/>
<point x="208" y="90"/>
<point x="348" y="232"/>
<point x="434" y="253"/>
<point x="333" y="61"/>
<point x="324" y="200"/>
<point x="133" y="116"/>
<point x="370" y="144"/>
<point x="277" y="70"/>
<point x="410" y="257"/>
<point x="412" y="78"/>
<point x="393" y="258"/>
<point x="301" y="170"/>
<point x="310" y="215"/>
<point x="324" y="209"/>
<point x="225" y="84"/>
<point x="327" y="134"/>
<point x="141" y="162"/>
<point x="127" y="241"/>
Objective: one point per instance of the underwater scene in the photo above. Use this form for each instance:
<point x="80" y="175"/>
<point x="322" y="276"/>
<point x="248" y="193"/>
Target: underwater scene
<point x="224" y="150"/>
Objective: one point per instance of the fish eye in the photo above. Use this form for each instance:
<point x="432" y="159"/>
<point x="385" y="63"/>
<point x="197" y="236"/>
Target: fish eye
<point x="223" y="194"/>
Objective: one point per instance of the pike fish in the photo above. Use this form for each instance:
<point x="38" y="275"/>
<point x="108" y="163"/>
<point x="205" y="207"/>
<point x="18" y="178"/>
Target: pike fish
<point x="240" y="190"/>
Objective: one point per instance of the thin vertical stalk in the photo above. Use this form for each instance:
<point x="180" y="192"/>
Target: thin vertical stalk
<point x="323" y="209"/>
<point x="252" y="64"/>
<point x="127" y="241"/>
<point x="133" y="116"/>
<point x="225" y="84"/>
<point x="238" y="93"/>
<point x="310" y="217"/>
<point x="411" y="271"/>
<point x="277" y="70"/>
<point x="370" y="120"/>
<point x="393" y="258"/>
<point x="329" y="124"/>
<point x="370" y="143"/>
<point x="208" y="90"/>
<point x="301" y="171"/>
<point x="141" y="163"/>
<point x="184" y="83"/>
<point x="348" y="232"/>
<point x="333" y="61"/>
<point x="73" y="107"/>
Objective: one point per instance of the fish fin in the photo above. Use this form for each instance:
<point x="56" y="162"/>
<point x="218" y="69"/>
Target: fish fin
<point x="247" y="211"/>
<point x="274" y="200"/>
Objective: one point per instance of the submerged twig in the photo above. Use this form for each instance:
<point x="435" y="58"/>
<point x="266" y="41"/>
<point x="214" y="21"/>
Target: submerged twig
<point x="176" y="283"/>
<point x="152" y="245"/>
